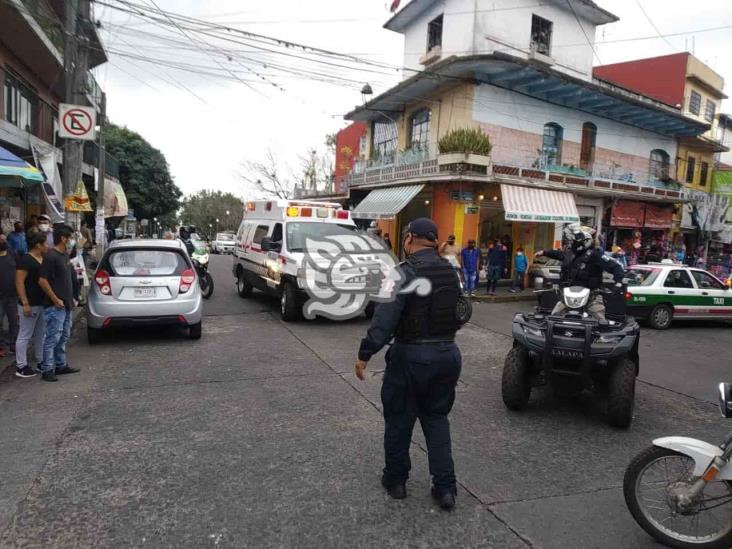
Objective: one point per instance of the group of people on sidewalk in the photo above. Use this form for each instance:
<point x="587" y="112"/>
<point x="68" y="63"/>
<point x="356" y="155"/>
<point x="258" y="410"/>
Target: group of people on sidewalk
<point x="470" y="261"/>
<point x="39" y="288"/>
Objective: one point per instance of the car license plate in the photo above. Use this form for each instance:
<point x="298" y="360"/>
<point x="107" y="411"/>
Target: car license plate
<point x="144" y="292"/>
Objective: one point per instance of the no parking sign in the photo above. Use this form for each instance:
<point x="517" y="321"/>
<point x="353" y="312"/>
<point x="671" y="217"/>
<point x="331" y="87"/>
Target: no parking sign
<point x="76" y="121"/>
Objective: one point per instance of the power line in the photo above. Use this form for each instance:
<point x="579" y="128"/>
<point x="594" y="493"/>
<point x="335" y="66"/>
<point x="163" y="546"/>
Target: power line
<point x="579" y="23"/>
<point x="655" y="28"/>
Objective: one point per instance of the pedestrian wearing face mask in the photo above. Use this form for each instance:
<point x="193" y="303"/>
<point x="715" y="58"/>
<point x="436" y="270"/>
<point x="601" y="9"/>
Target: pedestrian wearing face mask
<point x="56" y="281"/>
<point x="471" y="260"/>
<point x="44" y="225"/>
<point x="8" y="298"/>
<point x="520" y="264"/>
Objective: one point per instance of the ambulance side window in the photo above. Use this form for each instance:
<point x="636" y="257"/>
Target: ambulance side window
<point x="241" y="231"/>
<point x="277" y="233"/>
<point x="259" y="233"/>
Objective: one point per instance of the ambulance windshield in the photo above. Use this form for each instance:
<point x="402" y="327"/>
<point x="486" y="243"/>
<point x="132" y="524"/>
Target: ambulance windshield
<point x="297" y="233"/>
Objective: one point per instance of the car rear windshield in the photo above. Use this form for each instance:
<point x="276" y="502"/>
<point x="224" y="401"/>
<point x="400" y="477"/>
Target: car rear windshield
<point x="642" y="276"/>
<point x="297" y="232"/>
<point x="143" y="262"/>
<point x="225" y="237"/>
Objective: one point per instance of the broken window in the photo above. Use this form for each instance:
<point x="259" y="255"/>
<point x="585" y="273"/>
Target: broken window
<point x="434" y="33"/>
<point x="541" y="35"/>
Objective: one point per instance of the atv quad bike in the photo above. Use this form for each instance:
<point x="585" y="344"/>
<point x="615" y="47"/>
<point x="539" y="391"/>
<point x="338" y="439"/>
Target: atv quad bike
<point x="573" y="352"/>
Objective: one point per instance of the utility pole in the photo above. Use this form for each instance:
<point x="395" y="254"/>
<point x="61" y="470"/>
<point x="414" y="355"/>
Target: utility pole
<point x="99" y="224"/>
<point x="76" y="50"/>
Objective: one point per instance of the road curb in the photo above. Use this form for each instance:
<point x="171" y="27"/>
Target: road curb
<point x="7" y="363"/>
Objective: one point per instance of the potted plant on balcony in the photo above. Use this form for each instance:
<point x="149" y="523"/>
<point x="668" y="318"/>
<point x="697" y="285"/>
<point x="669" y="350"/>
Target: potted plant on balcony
<point x="469" y="147"/>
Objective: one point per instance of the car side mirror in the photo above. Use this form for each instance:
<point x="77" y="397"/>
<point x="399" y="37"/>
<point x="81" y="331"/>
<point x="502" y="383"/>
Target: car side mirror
<point x="268" y="245"/>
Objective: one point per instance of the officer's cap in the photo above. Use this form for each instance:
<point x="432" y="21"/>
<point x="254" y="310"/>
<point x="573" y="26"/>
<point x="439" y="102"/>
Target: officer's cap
<point x="423" y="227"/>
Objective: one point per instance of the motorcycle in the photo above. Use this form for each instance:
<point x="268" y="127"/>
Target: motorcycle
<point x="205" y="280"/>
<point x="573" y="351"/>
<point x="464" y="304"/>
<point x="680" y="489"/>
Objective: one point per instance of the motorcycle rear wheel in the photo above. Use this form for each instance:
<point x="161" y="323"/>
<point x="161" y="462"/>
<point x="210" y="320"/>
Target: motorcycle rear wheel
<point x="207" y="286"/>
<point x="464" y="310"/>
<point x="670" y="530"/>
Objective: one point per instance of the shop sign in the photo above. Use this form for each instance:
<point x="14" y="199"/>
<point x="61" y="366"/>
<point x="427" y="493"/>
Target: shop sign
<point x="464" y="196"/>
<point x="541" y="218"/>
<point x="627" y="213"/>
<point x="472" y="208"/>
<point x="658" y="217"/>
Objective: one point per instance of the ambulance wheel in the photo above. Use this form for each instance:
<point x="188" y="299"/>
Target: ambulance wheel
<point x="661" y="317"/>
<point x="289" y="308"/>
<point x="243" y="286"/>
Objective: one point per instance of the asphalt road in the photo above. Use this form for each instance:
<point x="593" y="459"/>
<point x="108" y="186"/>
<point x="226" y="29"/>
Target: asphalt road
<point x="259" y="435"/>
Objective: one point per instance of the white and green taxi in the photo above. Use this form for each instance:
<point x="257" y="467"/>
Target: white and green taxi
<point x="661" y="292"/>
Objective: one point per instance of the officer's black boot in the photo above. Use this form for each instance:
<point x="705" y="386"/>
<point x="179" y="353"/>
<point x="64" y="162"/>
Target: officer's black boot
<point x="396" y="491"/>
<point x="445" y="499"/>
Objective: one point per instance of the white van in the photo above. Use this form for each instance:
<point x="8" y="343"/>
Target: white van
<point x="269" y="247"/>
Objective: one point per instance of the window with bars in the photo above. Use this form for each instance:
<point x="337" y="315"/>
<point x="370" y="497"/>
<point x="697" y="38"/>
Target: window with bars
<point x="695" y="102"/>
<point x="434" y="33"/>
<point x="552" y="143"/>
<point x="704" y="174"/>
<point x="710" y="111"/>
<point x="420" y="129"/>
<point x="19" y="103"/>
<point x="384" y="141"/>
<point x="690" y="169"/>
<point x="541" y="35"/>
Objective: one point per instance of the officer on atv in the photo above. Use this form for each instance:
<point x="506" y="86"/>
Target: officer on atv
<point x="582" y="265"/>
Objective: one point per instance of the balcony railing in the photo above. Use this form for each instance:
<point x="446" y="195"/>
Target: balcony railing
<point x="609" y="176"/>
<point x="47" y="19"/>
<point x="91" y="157"/>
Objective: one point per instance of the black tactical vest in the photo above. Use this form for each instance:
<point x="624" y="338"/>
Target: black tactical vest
<point x="431" y="317"/>
<point x="577" y="270"/>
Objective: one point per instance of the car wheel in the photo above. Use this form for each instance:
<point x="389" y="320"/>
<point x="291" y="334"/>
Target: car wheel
<point x="289" y="309"/>
<point x="194" y="331"/>
<point x="243" y="286"/>
<point x="93" y="335"/>
<point x="661" y="317"/>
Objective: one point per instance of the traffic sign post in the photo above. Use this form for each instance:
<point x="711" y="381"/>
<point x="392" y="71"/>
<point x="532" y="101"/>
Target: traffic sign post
<point x="76" y="122"/>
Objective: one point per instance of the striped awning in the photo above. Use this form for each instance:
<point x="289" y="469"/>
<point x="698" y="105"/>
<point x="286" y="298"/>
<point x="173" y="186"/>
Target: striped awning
<point x="538" y="205"/>
<point x="385" y="203"/>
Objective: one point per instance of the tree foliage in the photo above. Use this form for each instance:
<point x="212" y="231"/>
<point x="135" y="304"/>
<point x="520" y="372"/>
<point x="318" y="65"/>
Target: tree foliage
<point x="205" y="207"/>
<point x="143" y="173"/>
<point x="266" y="177"/>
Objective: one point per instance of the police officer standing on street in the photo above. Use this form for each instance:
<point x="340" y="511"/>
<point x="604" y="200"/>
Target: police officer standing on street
<point x="422" y="366"/>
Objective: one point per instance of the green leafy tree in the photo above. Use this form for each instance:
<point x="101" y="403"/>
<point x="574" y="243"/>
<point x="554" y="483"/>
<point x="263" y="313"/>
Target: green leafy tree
<point x="143" y="173"/>
<point x="205" y="207"/>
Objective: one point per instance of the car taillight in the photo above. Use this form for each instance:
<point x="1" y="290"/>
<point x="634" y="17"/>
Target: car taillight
<point x="187" y="278"/>
<point x="628" y="296"/>
<point x="102" y="280"/>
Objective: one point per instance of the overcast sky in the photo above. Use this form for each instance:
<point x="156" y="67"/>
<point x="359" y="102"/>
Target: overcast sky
<point x="206" y="126"/>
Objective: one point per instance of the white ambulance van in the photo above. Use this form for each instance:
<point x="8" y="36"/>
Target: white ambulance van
<point x="269" y="247"/>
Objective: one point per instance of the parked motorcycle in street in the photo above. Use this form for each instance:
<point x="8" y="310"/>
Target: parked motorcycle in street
<point x="680" y="489"/>
<point x="200" y="262"/>
<point x="464" y="304"/>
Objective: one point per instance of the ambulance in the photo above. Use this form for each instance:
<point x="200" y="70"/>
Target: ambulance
<point x="269" y="249"/>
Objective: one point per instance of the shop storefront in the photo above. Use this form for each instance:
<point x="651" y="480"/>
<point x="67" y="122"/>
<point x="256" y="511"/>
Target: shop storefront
<point x="641" y="230"/>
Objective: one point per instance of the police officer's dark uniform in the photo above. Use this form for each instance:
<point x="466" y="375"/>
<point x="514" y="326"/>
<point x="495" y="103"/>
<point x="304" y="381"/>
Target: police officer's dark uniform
<point x="583" y="265"/>
<point x="423" y="366"/>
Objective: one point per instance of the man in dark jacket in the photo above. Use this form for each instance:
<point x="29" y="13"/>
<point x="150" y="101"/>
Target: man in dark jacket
<point x="583" y="265"/>
<point x="497" y="262"/>
<point x="8" y="297"/>
<point x="422" y="366"/>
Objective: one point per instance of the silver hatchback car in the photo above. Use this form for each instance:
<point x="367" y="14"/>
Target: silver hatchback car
<point x="144" y="283"/>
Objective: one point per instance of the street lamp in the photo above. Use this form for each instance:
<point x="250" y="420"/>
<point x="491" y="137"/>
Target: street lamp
<point x="217" y="225"/>
<point x="227" y="220"/>
<point x="155" y="226"/>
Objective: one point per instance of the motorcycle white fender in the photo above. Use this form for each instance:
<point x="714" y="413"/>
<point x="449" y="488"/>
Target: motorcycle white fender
<point x="701" y="452"/>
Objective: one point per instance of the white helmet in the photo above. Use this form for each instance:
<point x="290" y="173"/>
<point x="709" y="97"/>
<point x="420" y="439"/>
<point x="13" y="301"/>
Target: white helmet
<point x="579" y="237"/>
